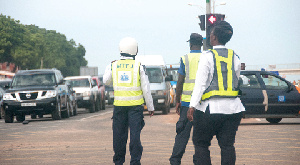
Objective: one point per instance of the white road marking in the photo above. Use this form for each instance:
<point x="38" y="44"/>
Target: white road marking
<point x="95" y="116"/>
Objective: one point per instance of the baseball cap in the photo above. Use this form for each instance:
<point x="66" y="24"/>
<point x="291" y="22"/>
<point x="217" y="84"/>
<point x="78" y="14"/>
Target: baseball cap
<point x="195" y="39"/>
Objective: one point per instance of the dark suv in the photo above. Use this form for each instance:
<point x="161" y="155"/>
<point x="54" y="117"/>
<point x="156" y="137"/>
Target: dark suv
<point x="36" y="92"/>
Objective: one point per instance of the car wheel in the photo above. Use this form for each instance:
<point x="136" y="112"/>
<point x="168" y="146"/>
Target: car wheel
<point x="56" y="114"/>
<point x="98" y="105"/>
<point x="2" y="113"/>
<point x="75" y="109"/>
<point x="92" y="107"/>
<point x="20" y="118"/>
<point x="33" y="116"/>
<point x="66" y="113"/>
<point x="8" y="117"/>
<point x="274" y="120"/>
<point x="71" y="109"/>
<point x="103" y="104"/>
<point x="41" y="115"/>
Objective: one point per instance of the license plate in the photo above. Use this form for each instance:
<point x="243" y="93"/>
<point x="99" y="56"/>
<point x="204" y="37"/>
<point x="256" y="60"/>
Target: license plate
<point x="28" y="104"/>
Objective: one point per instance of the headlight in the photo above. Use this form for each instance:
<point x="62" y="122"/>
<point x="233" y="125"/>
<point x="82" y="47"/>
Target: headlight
<point x="9" y="96"/>
<point x="51" y="93"/>
<point x="86" y="93"/>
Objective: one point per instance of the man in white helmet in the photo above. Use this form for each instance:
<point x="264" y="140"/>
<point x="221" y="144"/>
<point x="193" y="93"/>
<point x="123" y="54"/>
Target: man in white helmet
<point x="131" y="89"/>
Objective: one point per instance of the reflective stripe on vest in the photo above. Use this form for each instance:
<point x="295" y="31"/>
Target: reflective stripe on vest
<point x="126" y="83"/>
<point x="224" y="82"/>
<point x="190" y="61"/>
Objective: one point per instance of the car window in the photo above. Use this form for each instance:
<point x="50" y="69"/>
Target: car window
<point x="248" y="81"/>
<point x="154" y="75"/>
<point x="80" y="83"/>
<point x="272" y="82"/>
<point x="34" y="79"/>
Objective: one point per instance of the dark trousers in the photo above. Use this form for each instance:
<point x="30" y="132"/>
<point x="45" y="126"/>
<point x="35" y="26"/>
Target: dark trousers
<point x="207" y="125"/>
<point x="124" y="117"/>
<point x="183" y="130"/>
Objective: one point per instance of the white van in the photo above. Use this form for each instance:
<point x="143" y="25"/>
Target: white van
<point x="159" y="80"/>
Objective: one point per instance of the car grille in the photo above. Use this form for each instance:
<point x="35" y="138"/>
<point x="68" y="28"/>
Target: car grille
<point x="28" y="96"/>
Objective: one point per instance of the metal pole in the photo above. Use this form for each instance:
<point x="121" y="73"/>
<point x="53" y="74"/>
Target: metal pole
<point x="208" y="6"/>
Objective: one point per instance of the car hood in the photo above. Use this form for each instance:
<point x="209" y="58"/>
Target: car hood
<point x="30" y="88"/>
<point x="81" y="89"/>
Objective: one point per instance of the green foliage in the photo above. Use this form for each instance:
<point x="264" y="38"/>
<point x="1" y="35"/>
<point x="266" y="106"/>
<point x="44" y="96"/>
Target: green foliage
<point x="31" y="47"/>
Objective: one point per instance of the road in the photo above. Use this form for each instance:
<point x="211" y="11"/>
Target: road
<point x="87" y="139"/>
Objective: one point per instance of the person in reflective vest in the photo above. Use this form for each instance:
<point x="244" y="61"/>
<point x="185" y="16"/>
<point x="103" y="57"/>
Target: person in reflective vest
<point x="184" y="88"/>
<point x="215" y="107"/>
<point x="131" y="91"/>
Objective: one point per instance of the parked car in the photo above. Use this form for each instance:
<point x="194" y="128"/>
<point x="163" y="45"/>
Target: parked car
<point x="267" y="95"/>
<point x="36" y="92"/>
<point x="5" y="83"/>
<point x="109" y="94"/>
<point x="101" y="91"/>
<point x="86" y="92"/>
<point x="72" y="98"/>
<point x="1" y="103"/>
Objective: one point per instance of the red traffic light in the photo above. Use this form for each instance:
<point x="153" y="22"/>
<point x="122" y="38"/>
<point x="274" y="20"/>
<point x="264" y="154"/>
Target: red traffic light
<point x="212" y="19"/>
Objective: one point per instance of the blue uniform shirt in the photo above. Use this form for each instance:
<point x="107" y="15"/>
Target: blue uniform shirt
<point x="181" y="71"/>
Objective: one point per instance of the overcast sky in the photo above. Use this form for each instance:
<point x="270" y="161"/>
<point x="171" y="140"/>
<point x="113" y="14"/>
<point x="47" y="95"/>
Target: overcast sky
<point x="265" y="31"/>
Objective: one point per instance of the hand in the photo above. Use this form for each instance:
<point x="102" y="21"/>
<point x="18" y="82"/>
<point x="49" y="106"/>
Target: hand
<point x="190" y="113"/>
<point x="151" y="113"/>
<point x="178" y="105"/>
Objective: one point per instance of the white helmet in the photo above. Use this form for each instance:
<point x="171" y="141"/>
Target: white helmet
<point x="129" y="46"/>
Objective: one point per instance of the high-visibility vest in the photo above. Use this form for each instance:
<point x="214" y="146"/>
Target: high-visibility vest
<point x="225" y="81"/>
<point x="190" y="61"/>
<point x="126" y="83"/>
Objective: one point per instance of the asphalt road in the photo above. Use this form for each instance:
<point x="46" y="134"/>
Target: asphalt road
<point x="87" y="139"/>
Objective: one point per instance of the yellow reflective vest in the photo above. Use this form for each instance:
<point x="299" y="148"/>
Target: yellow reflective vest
<point x="190" y="61"/>
<point x="126" y="83"/>
<point x="225" y="81"/>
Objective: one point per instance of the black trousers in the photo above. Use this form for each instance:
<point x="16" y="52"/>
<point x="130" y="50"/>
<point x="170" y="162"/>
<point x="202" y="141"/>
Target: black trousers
<point x="207" y="125"/>
<point x="183" y="130"/>
<point x="124" y="117"/>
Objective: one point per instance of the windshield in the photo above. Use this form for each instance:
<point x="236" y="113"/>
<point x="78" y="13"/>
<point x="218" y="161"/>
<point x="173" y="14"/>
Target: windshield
<point x="154" y="75"/>
<point x="34" y="80"/>
<point x="174" y="73"/>
<point x="79" y="83"/>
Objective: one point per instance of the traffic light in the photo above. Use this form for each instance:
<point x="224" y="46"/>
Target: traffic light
<point x="202" y="22"/>
<point x="211" y="20"/>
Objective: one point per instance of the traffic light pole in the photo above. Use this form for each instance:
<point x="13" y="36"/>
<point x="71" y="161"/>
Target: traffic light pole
<point x="208" y="8"/>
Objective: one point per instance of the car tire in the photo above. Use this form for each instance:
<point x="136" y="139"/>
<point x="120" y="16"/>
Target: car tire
<point x="41" y="116"/>
<point x="103" y="104"/>
<point x="8" y="117"/>
<point x="56" y="114"/>
<point x="98" y="105"/>
<point x="20" y="118"/>
<point x="33" y="116"/>
<point x="2" y="112"/>
<point x="273" y="120"/>
<point x="66" y="113"/>
<point x="92" y="107"/>
<point x="75" y="109"/>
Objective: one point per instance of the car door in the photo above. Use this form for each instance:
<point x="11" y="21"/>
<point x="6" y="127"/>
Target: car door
<point x="283" y="97"/>
<point x="252" y="94"/>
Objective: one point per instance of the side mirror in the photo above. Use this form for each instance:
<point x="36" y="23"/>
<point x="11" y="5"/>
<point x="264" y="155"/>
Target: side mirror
<point x="169" y="78"/>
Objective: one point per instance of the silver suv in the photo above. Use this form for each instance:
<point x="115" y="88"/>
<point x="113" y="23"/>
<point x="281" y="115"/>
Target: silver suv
<point x="86" y="92"/>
